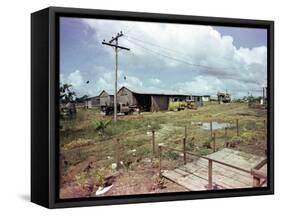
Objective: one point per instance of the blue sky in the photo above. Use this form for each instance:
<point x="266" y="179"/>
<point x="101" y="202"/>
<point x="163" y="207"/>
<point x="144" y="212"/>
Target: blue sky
<point x="245" y="37"/>
<point x="164" y="58"/>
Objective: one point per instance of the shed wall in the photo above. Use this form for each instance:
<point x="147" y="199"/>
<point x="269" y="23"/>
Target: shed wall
<point x="125" y="96"/>
<point x="159" y="103"/>
<point x="105" y="99"/>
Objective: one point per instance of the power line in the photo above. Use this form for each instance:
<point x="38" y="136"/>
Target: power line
<point x="165" y="48"/>
<point x="156" y="45"/>
<point x="173" y="58"/>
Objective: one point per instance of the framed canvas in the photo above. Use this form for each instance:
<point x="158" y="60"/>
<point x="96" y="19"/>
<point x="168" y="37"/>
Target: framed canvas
<point x="138" y="107"/>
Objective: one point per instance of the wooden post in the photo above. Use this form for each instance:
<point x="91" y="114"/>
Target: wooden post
<point x="210" y="174"/>
<point x="160" y="152"/>
<point x="214" y="142"/>
<point x="184" y="150"/>
<point x="117" y="156"/>
<point x="211" y="128"/>
<point x="153" y="142"/>
<point x="237" y="127"/>
<point x="256" y="181"/>
<point x="265" y="132"/>
<point x="185" y="132"/>
<point x="225" y="136"/>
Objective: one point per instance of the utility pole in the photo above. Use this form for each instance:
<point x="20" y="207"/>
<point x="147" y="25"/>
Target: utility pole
<point x="116" y="48"/>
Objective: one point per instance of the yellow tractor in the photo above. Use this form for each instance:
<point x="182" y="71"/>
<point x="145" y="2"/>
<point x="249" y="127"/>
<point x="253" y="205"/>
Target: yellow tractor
<point x="181" y="105"/>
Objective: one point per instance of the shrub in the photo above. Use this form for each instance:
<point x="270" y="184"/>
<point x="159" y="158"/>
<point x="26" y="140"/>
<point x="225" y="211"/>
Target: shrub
<point x="171" y="155"/>
<point x="101" y="126"/>
<point x="207" y="143"/>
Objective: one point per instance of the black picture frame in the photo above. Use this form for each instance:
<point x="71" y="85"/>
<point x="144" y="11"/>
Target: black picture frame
<point x="45" y="109"/>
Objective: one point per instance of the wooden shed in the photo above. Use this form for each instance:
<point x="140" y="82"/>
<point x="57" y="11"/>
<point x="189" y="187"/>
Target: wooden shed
<point x="145" y="101"/>
<point x="92" y="102"/>
<point x="152" y="102"/>
<point x="106" y="99"/>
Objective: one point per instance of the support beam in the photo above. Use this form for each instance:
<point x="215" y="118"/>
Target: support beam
<point x="210" y="174"/>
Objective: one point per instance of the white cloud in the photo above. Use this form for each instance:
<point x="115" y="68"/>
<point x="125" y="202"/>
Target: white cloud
<point x="155" y="81"/>
<point x="75" y="79"/>
<point x="222" y="65"/>
<point x="250" y="56"/>
<point x="200" y="85"/>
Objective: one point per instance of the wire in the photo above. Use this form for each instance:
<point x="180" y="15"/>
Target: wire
<point x="169" y="49"/>
<point x="156" y="45"/>
<point x="173" y="58"/>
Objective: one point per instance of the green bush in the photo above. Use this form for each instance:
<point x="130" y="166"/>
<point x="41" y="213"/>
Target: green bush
<point x="171" y="155"/>
<point x="236" y="139"/>
<point x="207" y="143"/>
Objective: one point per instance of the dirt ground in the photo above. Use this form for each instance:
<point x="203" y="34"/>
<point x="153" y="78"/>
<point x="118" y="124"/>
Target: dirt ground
<point x="87" y="158"/>
<point x="141" y="178"/>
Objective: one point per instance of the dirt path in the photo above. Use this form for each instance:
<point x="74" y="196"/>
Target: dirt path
<point x="141" y="178"/>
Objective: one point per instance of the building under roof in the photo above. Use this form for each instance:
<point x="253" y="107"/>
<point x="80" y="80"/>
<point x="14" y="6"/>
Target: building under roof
<point x="152" y="101"/>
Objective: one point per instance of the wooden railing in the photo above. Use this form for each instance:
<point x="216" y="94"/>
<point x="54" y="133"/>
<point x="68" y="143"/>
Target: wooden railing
<point x="257" y="176"/>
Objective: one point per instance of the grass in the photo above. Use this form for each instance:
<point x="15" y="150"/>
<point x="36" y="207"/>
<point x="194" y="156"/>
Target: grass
<point x="79" y="138"/>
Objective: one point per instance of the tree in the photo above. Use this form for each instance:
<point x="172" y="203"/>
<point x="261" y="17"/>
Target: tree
<point x="66" y="93"/>
<point x="67" y="101"/>
<point x="101" y="126"/>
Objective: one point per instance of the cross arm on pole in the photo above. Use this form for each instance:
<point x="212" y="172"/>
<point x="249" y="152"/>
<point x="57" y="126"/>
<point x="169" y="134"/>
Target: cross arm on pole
<point x="116" y="46"/>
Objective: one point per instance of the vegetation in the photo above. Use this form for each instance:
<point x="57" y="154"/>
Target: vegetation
<point x="67" y="101"/>
<point x="91" y="136"/>
<point x="101" y="126"/>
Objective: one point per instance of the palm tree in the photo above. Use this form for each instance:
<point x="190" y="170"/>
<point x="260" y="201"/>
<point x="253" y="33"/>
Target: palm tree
<point x="101" y="126"/>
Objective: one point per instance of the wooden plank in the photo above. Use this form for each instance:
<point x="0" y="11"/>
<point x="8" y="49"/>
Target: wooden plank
<point x="210" y="174"/>
<point x="191" y="182"/>
<point x="224" y="171"/>
<point x="195" y="175"/>
<point x="230" y="179"/>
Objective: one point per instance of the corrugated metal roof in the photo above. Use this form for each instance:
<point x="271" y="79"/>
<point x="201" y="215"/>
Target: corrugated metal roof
<point x="160" y="93"/>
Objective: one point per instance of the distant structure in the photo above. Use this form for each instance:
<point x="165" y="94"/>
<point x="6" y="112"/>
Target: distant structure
<point x="223" y="97"/>
<point x="263" y="100"/>
<point x="145" y="101"/>
<point x="92" y="102"/>
<point x="206" y="98"/>
<point x="153" y="102"/>
<point x="106" y="99"/>
<point x="213" y="98"/>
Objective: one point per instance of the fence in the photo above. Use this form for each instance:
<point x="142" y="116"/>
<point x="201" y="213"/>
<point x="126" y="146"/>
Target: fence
<point x="117" y="150"/>
<point x="214" y="135"/>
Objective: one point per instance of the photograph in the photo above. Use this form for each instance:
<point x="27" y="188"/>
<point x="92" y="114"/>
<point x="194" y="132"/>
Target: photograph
<point x="154" y="107"/>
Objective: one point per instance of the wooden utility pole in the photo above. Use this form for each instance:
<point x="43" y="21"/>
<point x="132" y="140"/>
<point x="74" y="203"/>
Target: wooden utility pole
<point x="116" y="48"/>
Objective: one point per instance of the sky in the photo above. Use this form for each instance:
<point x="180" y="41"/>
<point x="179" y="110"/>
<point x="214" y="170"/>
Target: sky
<point x="163" y="58"/>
